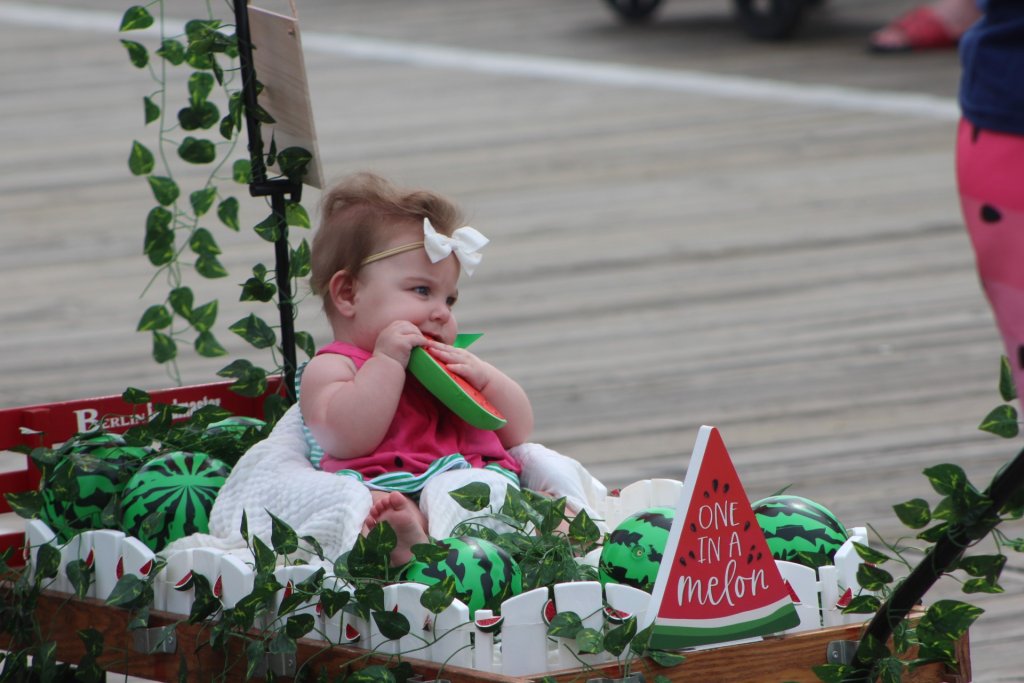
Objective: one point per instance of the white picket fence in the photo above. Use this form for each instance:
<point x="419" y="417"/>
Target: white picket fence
<point x="449" y="637"/>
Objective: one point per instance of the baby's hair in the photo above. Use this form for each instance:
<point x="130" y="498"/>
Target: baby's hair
<point x="361" y="213"/>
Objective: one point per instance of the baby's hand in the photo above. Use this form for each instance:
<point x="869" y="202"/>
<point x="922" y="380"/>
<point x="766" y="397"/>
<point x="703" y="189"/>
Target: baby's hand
<point x="397" y="341"/>
<point x="463" y="363"/>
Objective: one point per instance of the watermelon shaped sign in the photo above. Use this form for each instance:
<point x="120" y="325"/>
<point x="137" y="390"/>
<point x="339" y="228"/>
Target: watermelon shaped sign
<point x="718" y="581"/>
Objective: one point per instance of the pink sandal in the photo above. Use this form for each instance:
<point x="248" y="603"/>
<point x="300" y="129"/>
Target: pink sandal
<point x="919" y="29"/>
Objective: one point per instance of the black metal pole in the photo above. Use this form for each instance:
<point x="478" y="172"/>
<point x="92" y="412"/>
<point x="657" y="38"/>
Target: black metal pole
<point x="943" y="555"/>
<point x="259" y="186"/>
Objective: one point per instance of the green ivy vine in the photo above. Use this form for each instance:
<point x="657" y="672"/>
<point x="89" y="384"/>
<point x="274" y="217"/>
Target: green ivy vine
<point x="944" y="534"/>
<point x="202" y="131"/>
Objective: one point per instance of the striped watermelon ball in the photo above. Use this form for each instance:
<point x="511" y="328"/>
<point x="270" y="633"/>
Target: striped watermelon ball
<point x="88" y="478"/>
<point x="800" y="530"/>
<point x="171" y="497"/>
<point x="485" y="575"/>
<point x="632" y="553"/>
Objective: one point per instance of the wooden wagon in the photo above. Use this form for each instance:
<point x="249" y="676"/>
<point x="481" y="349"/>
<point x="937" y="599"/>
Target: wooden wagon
<point x="466" y="652"/>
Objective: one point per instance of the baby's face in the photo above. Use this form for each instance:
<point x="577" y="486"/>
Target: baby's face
<point x="409" y="287"/>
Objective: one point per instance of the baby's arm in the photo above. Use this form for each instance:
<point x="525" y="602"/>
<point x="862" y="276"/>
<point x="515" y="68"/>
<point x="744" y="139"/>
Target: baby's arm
<point x="349" y="410"/>
<point x="497" y="387"/>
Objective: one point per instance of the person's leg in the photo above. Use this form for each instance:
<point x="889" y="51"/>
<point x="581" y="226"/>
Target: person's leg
<point x="935" y="25"/>
<point x="990" y="178"/>
<point x="404" y="516"/>
<point x="444" y="513"/>
<point x="561" y="476"/>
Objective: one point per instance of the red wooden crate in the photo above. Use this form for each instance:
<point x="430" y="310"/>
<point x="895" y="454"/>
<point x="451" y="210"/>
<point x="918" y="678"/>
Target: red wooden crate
<point x="52" y="423"/>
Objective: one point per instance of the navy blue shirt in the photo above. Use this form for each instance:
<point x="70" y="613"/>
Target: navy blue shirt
<point x="992" y="55"/>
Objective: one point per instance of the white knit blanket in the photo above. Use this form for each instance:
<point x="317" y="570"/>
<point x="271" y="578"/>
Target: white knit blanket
<point x="275" y="476"/>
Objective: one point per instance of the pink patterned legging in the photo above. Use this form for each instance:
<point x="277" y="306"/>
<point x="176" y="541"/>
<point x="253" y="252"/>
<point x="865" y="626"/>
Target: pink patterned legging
<point x="990" y="175"/>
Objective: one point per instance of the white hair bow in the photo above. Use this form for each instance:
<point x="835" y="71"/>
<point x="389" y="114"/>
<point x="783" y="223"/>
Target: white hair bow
<point x="465" y="242"/>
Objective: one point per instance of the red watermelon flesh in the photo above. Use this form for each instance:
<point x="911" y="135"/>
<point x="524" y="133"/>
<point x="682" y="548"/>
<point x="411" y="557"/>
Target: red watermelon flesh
<point x="489" y="624"/>
<point x="453" y="391"/>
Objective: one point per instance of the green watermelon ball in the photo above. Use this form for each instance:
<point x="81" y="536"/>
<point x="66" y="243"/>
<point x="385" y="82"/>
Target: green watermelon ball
<point x="88" y="478"/>
<point x="800" y="530"/>
<point x="633" y="551"/>
<point x="485" y="575"/>
<point x="171" y="497"/>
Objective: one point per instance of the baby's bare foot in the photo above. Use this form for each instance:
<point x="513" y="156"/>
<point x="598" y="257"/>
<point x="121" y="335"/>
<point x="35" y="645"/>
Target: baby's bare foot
<point x="405" y="518"/>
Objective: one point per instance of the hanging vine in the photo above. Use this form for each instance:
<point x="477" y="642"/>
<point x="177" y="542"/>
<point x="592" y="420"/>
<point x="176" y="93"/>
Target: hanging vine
<point x="204" y="132"/>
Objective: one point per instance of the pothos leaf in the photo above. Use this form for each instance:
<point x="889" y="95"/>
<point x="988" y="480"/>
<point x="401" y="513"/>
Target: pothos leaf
<point x="565" y="625"/>
<point x="26" y="504"/>
<point x="249" y="380"/>
<point x="47" y="561"/>
<point x="616" y="639"/>
<point x="204" y="602"/>
<point x="203" y="317"/>
<point x="241" y="171"/>
<point x="870" y="554"/>
<point x="208" y="346"/>
<point x="80" y="575"/>
<point x="159" y="242"/>
<point x="172" y="50"/>
<point x="282" y="536"/>
<point x="1007" y="386"/>
<point x="299" y="625"/>
<point x="439" y="596"/>
<point x="92" y="640"/>
<point x="197" y="151"/>
<point x="165" y="190"/>
<point x="269" y="228"/>
<point x="392" y="625"/>
<point x="202" y="200"/>
<point x="300" y="260"/>
<point x="200" y="85"/>
<point x="914" y="513"/>
<point x="332" y="601"/>
<point x="209" y="267"/>
<point x="589" y="641"/>
<point x="129" y="591"/>
<point x="135" y="396"/>
<point x="227" y="212"/>
<point x="164" y="348"/>
<point x="1001" y="421"/>
<point x="134" y="18"/>
<point x="140" y="159"/>
<point x="264" y="556"/>
<point x="296" y="215"/>
<point x="946" y="479"/>
<point x="137" y="53"/>
<point x="156" y="317"/>
<point x="473" y="497"/>
<point x="304" y="340"/>
<point x="255" y="331"/>
<point x="151" y="111"/>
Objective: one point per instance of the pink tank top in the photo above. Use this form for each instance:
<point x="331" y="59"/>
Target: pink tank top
<point x="422" y="431"/>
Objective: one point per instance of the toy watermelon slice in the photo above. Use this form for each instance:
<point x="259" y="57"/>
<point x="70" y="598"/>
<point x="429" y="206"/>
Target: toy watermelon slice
<point x="719" y="581"/>
<point x="456" y="393"/>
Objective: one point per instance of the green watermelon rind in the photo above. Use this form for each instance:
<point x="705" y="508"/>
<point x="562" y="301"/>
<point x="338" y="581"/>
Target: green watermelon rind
<point x="819" y="532"/>
<point x="780" y="616"/>
<point x="438" y="382"/>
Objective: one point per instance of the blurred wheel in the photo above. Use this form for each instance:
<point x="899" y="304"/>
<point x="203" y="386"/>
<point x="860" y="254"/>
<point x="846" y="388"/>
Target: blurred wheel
<point x="634" y="11"/>
<point x="770" y="19"/>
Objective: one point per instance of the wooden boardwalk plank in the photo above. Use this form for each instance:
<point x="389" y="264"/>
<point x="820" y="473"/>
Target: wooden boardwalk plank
<point x="796" y="275"/>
